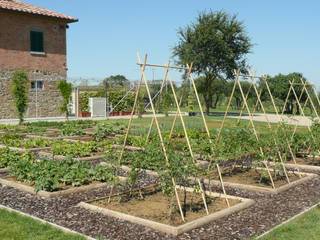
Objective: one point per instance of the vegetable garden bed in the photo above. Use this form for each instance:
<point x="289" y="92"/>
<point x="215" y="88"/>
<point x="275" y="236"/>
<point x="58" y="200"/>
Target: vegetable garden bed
<point x="152" y="209"/>
<point x="250" y="179"/>
<point x="65" y="190"/>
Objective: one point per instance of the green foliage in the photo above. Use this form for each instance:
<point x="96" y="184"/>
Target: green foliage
<point x="7" y="156"/>
<point x="19" y="91"/>
<point x="106" y="129"/>
<point x="166" y="101"/>
<point x="216" y="43"/>
<point x="125" y="105"/>
<point x="36" y="143"/>
<point x="65" y="90"/>
<point x="71" y="130"/>
<point x="116" y="81"/>
<point x="77" y="149"/>
<point x="51" y="175"/>
<point x="11" y="140"/>
<point x="84" y="99"/>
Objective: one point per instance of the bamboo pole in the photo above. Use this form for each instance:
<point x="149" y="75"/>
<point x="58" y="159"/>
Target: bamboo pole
<point x="310" y="99"/>
<point x="130" y="121"/>
<point x="280" y="122"/>
<point x="228" y="106"/>
<point x="163" y="66"/>
<point x="161" y="140"/>
<point x="254" y="129"/>
<point x="209" y="137"/>
<point x="187" y="138"/>
<point x="242" y="109"/>
<point x="180" y="102"/>
<point x="269" y="126"/>
<point x="160" y="92"/>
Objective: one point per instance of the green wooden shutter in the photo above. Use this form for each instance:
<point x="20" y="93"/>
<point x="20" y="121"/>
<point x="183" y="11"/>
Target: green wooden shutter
<point x="36" y="41"/>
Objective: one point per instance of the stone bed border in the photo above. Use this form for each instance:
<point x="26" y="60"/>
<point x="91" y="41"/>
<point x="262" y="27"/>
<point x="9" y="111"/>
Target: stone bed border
<point x="175" y="231"/>
<point x="4" y="170"/>
<point x="21" y="150"/>
<point x="300" y="166"/>
<point x="60" y="157"/>
<point x="253" y="188"/>
<point x="63" y="229"/>
<point x="45" y="194"/>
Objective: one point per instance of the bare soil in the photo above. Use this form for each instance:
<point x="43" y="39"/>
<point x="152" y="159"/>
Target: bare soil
<point x="253" y="177"/>
<point x="154" y="205"/>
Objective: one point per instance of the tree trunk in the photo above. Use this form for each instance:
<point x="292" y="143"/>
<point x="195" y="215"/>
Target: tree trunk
<point x="216" y="102"/>
<point x="298" y="109"/>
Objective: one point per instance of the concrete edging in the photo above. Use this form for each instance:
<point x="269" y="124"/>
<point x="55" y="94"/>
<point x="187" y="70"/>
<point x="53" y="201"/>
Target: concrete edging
<point x="63" y="229"/>
<point x="21" y="150"/>
<point x="175" y="231"/>
<point x="253" y="188"/>
<point x="4" y="170"/>
<point x="60" y="157"/>
<point x="45" y="194"/>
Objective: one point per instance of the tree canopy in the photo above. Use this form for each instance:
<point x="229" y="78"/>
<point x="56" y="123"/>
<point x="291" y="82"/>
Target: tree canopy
<point x="216" y="43"/>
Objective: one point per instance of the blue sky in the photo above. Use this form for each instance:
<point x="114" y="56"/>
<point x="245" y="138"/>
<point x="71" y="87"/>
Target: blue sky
<point x="110" y="33"/>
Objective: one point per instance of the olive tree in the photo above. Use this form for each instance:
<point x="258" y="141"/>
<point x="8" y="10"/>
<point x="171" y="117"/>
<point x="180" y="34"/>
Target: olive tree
<point x="216" y="43"/>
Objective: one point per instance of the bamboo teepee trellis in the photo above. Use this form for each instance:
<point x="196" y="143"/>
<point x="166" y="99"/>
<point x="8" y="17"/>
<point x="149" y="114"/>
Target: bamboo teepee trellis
<point x="156" y="122"/>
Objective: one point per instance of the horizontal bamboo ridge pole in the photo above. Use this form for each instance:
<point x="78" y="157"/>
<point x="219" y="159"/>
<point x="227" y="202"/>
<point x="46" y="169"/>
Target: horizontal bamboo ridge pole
<point x="162" y="66"/>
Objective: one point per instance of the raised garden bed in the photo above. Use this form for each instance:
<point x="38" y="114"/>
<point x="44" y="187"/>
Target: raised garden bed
<point x="65" y="190"/>
<point x="152" y="210"/>
<point x="248" y="179"/>
<point x="95" y="156"/>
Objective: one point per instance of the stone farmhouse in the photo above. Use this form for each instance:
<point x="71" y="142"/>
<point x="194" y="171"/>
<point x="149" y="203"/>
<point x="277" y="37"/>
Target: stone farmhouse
<point x="32" y="39"/>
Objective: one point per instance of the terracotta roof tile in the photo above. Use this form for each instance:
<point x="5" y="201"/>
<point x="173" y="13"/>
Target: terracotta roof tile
<point x="19" y="6"/>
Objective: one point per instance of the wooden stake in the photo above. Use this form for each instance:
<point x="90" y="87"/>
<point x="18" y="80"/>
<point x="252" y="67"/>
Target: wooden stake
<point x="188" y="141"/>
<point x="160" y="92"/>
<point x="269" y="126"/>
<point x="253" y="127"/>
<point x="161" y="140"/>
<point x="209" y="137"/>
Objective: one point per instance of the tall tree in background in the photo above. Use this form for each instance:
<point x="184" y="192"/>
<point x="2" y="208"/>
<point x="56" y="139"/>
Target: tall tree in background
<point x="20" y="82"/>
<point x="280" y="85"/>
<point x="216" y="43"/>
<point x="116" y="81"/>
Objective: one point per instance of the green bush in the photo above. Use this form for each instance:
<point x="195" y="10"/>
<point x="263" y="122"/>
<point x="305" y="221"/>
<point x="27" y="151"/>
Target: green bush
<point x="65" y="90"/>
<point x="19" y="91"/>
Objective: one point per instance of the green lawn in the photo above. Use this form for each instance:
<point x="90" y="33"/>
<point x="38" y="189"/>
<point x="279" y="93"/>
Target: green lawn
<point x="305" y="227"/>
<point x="141" y="126"/>
<point x="17" y="227"/>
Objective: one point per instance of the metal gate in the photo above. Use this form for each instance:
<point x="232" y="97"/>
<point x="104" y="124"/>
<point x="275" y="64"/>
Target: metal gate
<point x="98" y="107"/>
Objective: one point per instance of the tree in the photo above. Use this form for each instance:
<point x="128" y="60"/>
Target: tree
<point x="279" y="87"/>
<point x="216" y="44"/>
<point x="116" y="81"/>
<point x="65" y="90"/>
<point x="19" y="91"/>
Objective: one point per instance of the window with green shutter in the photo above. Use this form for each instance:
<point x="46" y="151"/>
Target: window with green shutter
<point x="36" y="41"/>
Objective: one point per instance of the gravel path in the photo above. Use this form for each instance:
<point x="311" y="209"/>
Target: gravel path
<point x="302" y="121"/>
<point x="267" y="212"/>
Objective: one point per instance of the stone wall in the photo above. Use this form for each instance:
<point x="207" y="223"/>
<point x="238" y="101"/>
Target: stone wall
<point x="41" y="103"/>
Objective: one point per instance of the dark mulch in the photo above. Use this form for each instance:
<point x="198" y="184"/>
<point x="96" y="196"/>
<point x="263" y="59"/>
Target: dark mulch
<point x="267" y="212"/>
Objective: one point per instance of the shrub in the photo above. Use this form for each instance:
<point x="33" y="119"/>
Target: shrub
<point x="65" y="90"/>
<point x="19" y="91"/>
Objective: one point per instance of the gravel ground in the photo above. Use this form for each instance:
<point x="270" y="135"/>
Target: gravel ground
<point x="267" y="212"/>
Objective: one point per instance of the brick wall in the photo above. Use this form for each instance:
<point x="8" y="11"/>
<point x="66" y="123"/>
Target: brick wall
<point x="15" y="55"/>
